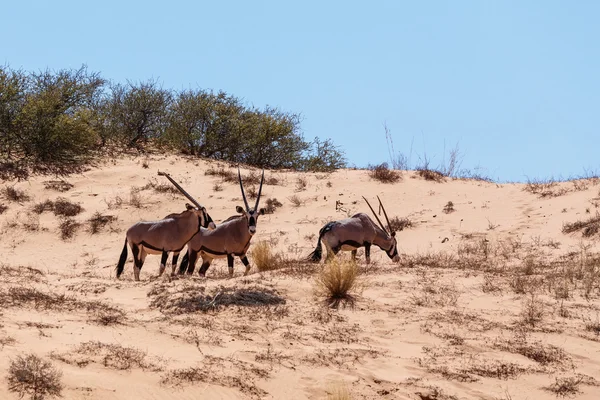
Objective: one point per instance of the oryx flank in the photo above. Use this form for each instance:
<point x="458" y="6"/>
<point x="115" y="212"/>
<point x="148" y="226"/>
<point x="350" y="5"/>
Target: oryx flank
<point x="161" y="237"/>
<point x="230" y="238"/>
<point x="357" y="231"/>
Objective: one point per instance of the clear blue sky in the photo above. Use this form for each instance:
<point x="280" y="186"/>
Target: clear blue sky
<point x="515" y="83"/>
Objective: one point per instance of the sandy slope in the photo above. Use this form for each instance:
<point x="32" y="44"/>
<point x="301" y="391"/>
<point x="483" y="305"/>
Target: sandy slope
<point x="420" y="330"/>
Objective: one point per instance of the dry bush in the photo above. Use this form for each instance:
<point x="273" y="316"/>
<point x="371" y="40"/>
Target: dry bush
<point x="565" y="386"/>
<point x="383" y="174"/>
<point x="34" y="376"/>
<point x="217" y="187"/>
<point x="68" y="227"/>
<point x="13" y="194"/>
<point x="251" y="192"/>
<point x="135" y="198"/>
<point x="398" y="224"/>
<point x="160" y="187"/>
<point x="31" y="223"/>
<point x="589" y="227"/>
<point x="431" y="293"/>
<point x="449" y="207"/>
<point x="301" y="184"/>
<point x="58" y="185"/>
<point x="532" y="310"/>
<point x="544" y="188"/>
<point x="110" y="355"/>
<point x="47" y="205"/>
<point x="263" y="257"/>
<point x="226" y="175"/>
<point x="145" y="164"/>
<point x="338" y="282"/>
<point x="192" y="298"/>
<point x="271" y="180"/>
<point x="99" y="221"/>
<point x="65" y="208"/>
<point x="430" y="174"/>
<point x="272" y="205"/>
<point x="17" y="274"/>
<point x="296" y="201"/>
<point x="3" y="208"/>
<point x="593" y="326"/>
<point x="545" y="354"/>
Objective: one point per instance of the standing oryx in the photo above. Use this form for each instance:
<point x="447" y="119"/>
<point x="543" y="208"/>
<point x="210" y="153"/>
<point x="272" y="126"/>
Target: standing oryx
<point x="357" y="231"/>
<point x="166" y="235"/>
<point x="230" y="238"/>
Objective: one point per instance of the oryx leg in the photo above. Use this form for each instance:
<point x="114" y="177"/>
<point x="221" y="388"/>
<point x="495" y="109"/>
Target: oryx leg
<point x="139" y="255"/>
<point x="230" y="264"/>
<point x="174" y="262"/>
<point x="206" y="260"/>
<point x="163" y="262"/>
<point x="246" y="264"/>
<point x="368" y="252"/>
<point x="193" y="257"/>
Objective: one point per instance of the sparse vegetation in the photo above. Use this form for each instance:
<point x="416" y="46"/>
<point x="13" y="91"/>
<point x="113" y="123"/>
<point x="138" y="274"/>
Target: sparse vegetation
<point x="449" y="207"/>
<point x="295" y="200"/>
<point x="589" y="227"/>
<point x="383" y="174"/>
<point x="110" y="355"/>
<point x="272" y="205"/>
<point x="12" y="193"/>
<point x="3" y="208"/>
<point x="263" y="257"/>
<point x="68" y="227"/>
<point x="565" y="386"/>
<point x="58" y="185"/>
<point x="31" y="375"/>
<point x="301" y="184"/>
<point x="217" y="187"/>
<point x="98" y="221"/>
<point x="338" y="282"/>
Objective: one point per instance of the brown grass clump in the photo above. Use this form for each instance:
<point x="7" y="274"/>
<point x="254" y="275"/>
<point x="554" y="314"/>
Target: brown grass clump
<point x="337" y="281"/>
<point x="160" y="187"/>
<point x="383" y="174"/>
<point x="99" y="221"/>
<point x="532" y="311"/>
<point x="430" y="174"/>
<point x="449" y="208"/>
<point x="3" y="208"/>
<point x="263" y="257"/>
<point x="589" y="227"/>
<point x="226" y="175"/>
<point x="61" y="207"/>
<point x="34" y="376"/>
<point x="301" y="184"/>
<point x="192" y="298"/>
<point x="217" y="187"/>
<point x="272" y="205"/>
<point x="567" y="386"/>
<point x="135" y="198"/>
<point x="58" y="185"/>
<point x="296" y="201"/>
<point x="13" y="194"/>
<point x="398" y="224"/>
<point x="68" y="227"/>
<point x="110" y="355"/>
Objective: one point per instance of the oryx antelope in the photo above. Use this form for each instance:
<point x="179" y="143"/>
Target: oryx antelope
<point x="170" y="234"/>
<point x="230" y="238"/>
<point x="357" y="231"/>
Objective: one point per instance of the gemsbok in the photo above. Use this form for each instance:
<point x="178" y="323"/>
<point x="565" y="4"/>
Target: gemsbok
<point x="230" y="238"/>
<point x="170" y="234"/>
<point x="349" y="234"/>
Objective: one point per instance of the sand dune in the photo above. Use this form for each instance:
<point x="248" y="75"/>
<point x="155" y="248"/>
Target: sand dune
<point x="489" y="301"/>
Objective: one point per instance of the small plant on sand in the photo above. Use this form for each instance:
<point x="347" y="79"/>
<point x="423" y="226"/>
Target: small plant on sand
<point x="263" y="257"/>
<point x="567" y="386"/>
<point x="295" y="200"/>
<point x="66" y="208"/>
<point x="301" y="184"/>
<point x="3" y="208"/>
<point x="59" y="185"/>
<point x="13" y="194"/>
<point x="32" y="375"/>
<point x="98" y="221"/>
<point x="217" y="187"/>
<point x="449" y="207"/>
<point x="398" y="224"/>
<point x="68" y="227"/>
<point x="338" y="281"/>
<point x="272" y="205"/>
<point x="532" y="311"/>
<point x="135" y="199"/>
<point x="589" y="227"/>
<point x="383" y="174"/>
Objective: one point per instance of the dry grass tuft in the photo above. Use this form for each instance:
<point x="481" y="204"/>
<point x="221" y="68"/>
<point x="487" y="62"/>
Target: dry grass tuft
<point x="430" y="174"/>
<point x="61" y="207"/>
<point x="34" y="376"/>
<point x="99" y="221"/>
<point x="383" y="174"/>
<point x="68" y="227"/>
<point x="3" y="208"/>
<point x="263" y="257"/>
<point x="135" y="198"/>
<point x="338" y="392"/>
<point x="58" y="185"/>
<point x="532" y="311"/>
<point x="272" y="205"/>
<point x="110" y="355"/>
<point x="338" y="282"/>
<point x="301" y="184"/>
<point x="567" y="386"/>
<point x="160" y="187"/>
<point x="13" y="194"/>
<point x="295" y="200"/>
<point x="9" y="274"/>
<point x="192" y="298"/>
<point x="589" y="227"/>
<point x="449" y="208"/>
<point x="226" y="175"/>
<point x="398" y="224"/>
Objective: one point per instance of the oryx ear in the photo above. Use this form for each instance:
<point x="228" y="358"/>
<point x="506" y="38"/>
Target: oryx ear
<point x="239" y="209"/>
<point x="188" y="206"/>
<point x="261" y="211"/>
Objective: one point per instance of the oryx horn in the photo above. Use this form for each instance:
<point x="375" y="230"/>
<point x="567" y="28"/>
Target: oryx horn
<point x="186" y="194"/>
<point x="375" y="214"/>
<point x="259" y="190"/>
<point x="242" y="187"/>
<point x="384" y="213"/>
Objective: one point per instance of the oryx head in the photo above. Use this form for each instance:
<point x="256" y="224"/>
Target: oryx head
<point x="251" y="214"/>
<point x="205" y="220"/>
<point x="392" y="251"/>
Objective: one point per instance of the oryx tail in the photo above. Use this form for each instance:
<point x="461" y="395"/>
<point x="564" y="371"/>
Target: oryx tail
<point x="122" y="260"/>
<point x="316" y="255"/>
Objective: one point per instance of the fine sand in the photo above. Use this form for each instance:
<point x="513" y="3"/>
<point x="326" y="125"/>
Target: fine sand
<point x="491" y="300"/>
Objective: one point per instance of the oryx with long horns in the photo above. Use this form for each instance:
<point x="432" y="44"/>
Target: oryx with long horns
<point x="170" y="234"/>
<point x="229" y="239"/>
<point x="357" y="231"/>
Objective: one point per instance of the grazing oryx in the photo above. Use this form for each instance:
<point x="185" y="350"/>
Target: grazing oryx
<point x="351" y="233"/>
<point x="166" y="235"/>
<point x="230" y="238"/>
